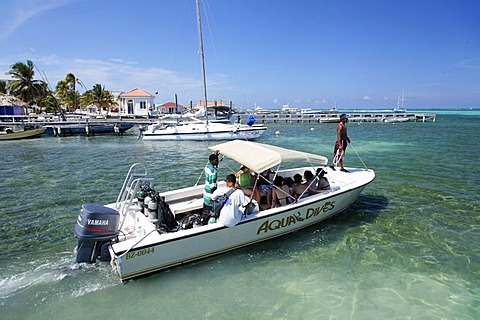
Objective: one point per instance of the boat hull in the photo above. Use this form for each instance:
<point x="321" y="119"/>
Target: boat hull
<point x="93" y="129"/>
<point x="396" y="120"/>
<point x="161" y="251"/>
<point x="27" y="134"/>
<point x="201" y="133"/>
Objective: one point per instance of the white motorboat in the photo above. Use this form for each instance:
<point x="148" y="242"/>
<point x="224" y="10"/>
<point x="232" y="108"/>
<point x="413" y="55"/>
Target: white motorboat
<point x="197" y="129"/>
<point x="287" y="109"/>
<point x="178" y="127"/>
<point x="395" y="119"/>
<point x="131" y="234"/>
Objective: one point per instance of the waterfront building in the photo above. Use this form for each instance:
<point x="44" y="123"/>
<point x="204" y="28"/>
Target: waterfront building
<point x="171" y="108"/>
<point x="10" y="105"/>
<point x="136" y="102"/>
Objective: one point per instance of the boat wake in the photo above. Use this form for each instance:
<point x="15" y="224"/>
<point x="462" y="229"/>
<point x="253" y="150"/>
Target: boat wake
<point x="36" y="273"/>
<point x="55" y="278"/>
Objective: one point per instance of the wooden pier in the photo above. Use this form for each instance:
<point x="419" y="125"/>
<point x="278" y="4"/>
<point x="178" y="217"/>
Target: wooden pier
<point x="335" y="117"/>
<point x="263" y="117"/>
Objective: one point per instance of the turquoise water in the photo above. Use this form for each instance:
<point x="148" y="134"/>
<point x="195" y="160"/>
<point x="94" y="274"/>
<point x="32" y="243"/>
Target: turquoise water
<point x="407" y="248"/>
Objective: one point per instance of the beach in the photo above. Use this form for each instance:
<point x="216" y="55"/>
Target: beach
<point x="406" y="249"/>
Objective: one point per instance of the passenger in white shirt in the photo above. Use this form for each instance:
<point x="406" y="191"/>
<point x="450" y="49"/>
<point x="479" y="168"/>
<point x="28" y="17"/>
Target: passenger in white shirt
<point x="230" y="214"/>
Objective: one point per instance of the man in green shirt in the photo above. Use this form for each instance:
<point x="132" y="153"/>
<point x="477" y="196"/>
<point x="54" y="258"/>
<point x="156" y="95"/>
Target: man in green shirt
<point x="210" y="181"/>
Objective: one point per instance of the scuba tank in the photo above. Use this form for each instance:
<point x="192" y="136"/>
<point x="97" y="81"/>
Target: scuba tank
<point x="152" y="207"/>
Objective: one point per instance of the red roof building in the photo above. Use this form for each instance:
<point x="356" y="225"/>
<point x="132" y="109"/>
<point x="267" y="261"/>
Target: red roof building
<point x="136" y="102"/>
<point x="171" y="107"/>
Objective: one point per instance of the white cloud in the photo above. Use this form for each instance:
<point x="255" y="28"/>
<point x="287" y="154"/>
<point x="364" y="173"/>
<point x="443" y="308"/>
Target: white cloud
<point x="22" y="11"/>
<point x="119" y="75"/>
<point x="473" y="63"/>
<point x="367" y="98"/>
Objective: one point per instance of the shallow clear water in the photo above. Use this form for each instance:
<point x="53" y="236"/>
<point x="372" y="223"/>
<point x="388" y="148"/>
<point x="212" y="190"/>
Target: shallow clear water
<point x="407" y="248"/>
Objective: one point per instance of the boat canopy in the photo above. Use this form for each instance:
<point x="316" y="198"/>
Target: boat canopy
<point x="260" y="157"/>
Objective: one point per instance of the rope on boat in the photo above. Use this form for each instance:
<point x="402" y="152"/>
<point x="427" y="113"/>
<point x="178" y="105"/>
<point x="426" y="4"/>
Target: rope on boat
<point x="135" y="244"/>
<point x="358" y="156"/>
<point x="200" y="176"/>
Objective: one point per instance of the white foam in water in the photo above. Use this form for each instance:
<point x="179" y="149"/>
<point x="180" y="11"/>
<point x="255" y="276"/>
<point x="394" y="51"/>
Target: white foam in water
<point x="42" y="274"/>
<point x="87" y="288"/>
<point x="37" y="273"/>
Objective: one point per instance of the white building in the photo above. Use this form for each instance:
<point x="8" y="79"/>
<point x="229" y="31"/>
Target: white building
<point x="136" y="102"/>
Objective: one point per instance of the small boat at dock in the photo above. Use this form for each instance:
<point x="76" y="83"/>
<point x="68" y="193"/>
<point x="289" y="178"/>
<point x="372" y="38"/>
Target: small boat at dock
<point x="9" y="134"/>
<point x="395" y="119"/>
<point x="88" y="128"/>
<point x="191" y="128"/>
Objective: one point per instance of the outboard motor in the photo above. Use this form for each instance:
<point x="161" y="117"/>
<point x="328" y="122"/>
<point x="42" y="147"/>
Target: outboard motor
<point x="95" y="229"/>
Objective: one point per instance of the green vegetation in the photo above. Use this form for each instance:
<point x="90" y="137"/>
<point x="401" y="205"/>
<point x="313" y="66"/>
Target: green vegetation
<point x="3" y="87"/>
<point x="24" y="86"/>
<point x="98" y="96"/>
<point x="67" y="92"/>
<point x="65" y="98"/>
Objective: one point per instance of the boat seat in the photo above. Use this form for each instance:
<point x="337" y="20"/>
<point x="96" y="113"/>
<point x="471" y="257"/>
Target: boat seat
<point x="186" y="206"/>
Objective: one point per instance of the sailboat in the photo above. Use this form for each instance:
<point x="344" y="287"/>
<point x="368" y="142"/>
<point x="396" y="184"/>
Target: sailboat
<point x="193" y="128"/>
<point x="400" y="108"/>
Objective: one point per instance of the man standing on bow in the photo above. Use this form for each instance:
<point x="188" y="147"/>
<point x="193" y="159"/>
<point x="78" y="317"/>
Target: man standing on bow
<point x="341" y="143"/>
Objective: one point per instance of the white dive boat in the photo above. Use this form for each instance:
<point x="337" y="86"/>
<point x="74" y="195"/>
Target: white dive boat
<point x="131" y="232"/>
<point x="201" y="129"/>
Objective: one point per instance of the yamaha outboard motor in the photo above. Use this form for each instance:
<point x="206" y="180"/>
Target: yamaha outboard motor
<point x="96" y="227"/>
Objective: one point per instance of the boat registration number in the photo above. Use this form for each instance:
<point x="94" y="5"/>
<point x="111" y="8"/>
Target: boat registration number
<point x="139" y="253"/>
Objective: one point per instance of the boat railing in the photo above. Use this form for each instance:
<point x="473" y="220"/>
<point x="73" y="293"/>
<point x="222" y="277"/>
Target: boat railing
<point x="131" y="175"/>
<point x="135" y="179"/>
<point x="125" y="205"/>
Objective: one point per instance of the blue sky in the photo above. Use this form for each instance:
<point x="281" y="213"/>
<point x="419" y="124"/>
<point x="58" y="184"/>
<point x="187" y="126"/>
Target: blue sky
<point x="258" y="52"/>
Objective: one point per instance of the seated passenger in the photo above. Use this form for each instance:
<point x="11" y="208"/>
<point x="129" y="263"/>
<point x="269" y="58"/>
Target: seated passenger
<point x="280" y="193"/>
<point x="298" y="188"/>
<point x="264" y="186"/>
<point x="310" y="182"/>
<point x="245" y="182"/>
<point x="289" y="182"/>
<point x="308" y="188"/>
<point x="230" y="214"/>
<point x="322" y="182"/>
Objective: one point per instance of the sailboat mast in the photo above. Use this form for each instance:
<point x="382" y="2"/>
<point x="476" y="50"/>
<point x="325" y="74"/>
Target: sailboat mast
<point x="202" y="58"/>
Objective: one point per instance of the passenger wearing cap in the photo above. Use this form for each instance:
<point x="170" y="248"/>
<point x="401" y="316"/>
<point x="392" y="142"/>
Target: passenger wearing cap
<point x="341" y="143"/>
<point x="322" y="182"/>
<point x="230" y="214"/>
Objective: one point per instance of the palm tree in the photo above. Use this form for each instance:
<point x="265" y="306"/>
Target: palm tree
<point x="3" y="86"/>
<point x="98" y="96"/>
<point x="68" y="93"/>
<point x="24" y="86"/>
<point x="47" y="100"/>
